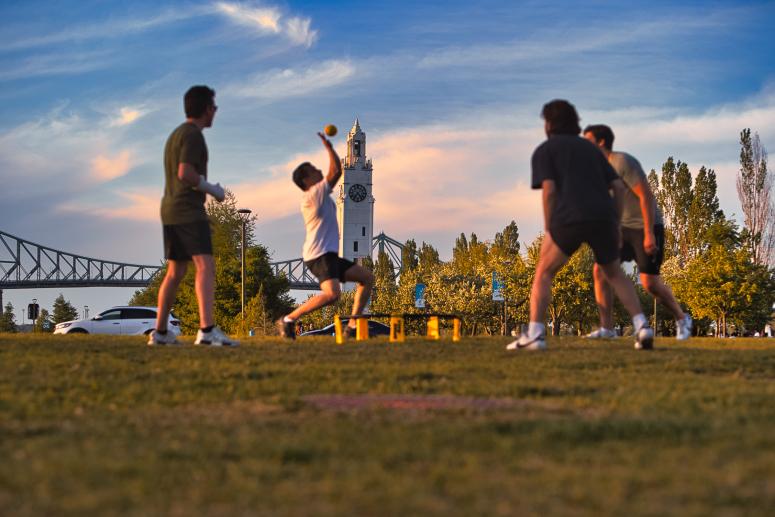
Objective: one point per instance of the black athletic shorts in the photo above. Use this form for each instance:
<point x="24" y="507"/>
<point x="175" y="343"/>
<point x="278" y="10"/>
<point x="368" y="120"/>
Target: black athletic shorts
<point x="182" y="241"/>
<point x="632" y="249"/>
<point x="328" y="266"/>
<point x="600" y="235"/>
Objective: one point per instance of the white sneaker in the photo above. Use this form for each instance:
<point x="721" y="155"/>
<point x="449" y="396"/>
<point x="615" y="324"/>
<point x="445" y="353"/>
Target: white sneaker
<point x="526" y="343"/>
<point x="215" y="337"/>
<point x="684" y="328"/>
<point x="155" y="338"/>
<point x="645" y="338"/>
<point x="601" y="333"/>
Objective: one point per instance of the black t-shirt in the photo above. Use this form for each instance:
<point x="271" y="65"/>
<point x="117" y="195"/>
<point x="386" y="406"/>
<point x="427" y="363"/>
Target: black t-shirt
<point x="582" y="176"/>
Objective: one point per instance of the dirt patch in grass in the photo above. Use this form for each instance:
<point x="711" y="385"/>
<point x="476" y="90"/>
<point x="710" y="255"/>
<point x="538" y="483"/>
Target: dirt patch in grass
<point x="424" y="403"/>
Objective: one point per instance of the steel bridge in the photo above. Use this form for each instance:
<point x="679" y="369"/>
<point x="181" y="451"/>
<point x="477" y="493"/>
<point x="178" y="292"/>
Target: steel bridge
<point x="299" y="277"/>
<point x="27" y="265"/>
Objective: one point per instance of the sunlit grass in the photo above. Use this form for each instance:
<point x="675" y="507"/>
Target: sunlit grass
<point x="103" y="425"/>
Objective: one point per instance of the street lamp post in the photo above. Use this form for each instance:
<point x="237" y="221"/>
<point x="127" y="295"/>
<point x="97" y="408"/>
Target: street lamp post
<point x="244" y="217"/>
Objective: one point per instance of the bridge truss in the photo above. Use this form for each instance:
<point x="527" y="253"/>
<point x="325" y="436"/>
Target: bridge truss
<point x="299" y="277"/>
<point x="27" y="265"/>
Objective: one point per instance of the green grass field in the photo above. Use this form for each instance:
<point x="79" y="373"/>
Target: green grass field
<point x="96" y="425"/>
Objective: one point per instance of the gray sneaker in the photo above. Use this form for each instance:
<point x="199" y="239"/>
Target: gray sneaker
<point x="215" y="337"/>
<point x="527" y="343"/>
<point x="286" y="329"/>
<point x="644" y="338"/>
<point x="155" y="338"/>
<point x="601" y="333"/>
<point x="684" y="328"/>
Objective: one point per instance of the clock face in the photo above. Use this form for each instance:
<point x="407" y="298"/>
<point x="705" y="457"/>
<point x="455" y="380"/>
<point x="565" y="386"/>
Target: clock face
<point x="357" y="193"/>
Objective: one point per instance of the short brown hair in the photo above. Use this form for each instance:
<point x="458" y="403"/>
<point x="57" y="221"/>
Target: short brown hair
<point x="197" y="100"/>
<point x="562" y="117"/>
<point x="602" y="132"/>
<point x="300" y="174"/>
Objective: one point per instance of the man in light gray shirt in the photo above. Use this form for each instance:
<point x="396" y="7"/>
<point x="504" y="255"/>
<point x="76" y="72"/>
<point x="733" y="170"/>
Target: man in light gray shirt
<point x="643" y="237"/>
<point x="321" y="245"/>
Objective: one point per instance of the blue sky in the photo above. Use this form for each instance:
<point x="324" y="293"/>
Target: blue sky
<point x="447" y="92"/>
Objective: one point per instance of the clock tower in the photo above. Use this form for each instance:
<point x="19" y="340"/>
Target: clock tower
<point x="354" y="202"/>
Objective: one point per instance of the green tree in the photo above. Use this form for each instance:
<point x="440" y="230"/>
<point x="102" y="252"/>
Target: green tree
<point x="409" y="255"/>
<point x="754" y="189"/>
<point x="674" y="198"/>
<point x="725" y="286"/>
<point x="384" y="294"/>
<point x="704" y="211"/>
<point x="43" y="323"/>
<point x="8" y="319"/>
<point x="226" y="227"/>
<point x="63" y="310"/>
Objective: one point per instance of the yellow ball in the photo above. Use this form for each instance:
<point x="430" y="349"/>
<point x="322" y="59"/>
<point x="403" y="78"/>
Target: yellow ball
<point x="330" y="130"/>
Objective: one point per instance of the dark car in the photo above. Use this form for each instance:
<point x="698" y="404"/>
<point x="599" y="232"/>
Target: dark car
<point x="375" y="329"/>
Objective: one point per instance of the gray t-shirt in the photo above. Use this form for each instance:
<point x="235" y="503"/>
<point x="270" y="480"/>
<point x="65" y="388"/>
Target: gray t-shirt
<point x="629" y="169"/>
<point x="319" y="212"/>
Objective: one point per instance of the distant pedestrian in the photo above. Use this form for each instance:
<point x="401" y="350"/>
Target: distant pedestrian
<point x="643" y="238"/>
<point x="321" y="245"/>
<point x="575" y="179"/>
<point x="184" y="220"/>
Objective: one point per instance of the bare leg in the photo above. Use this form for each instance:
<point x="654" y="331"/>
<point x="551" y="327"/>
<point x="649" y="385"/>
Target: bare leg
<point x="604" y="298"/>
<point x="365" y="279"/>
<point x="331" y="291"/>
<point x="657" y="287"/>
<point x="205" y="288"/>
<point x="176" y="270"/>
<point x="549" y="263"/>
<point x="623" y="287"/>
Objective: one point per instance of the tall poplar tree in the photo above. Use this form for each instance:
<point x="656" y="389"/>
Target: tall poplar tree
<point x="754" y="189"/>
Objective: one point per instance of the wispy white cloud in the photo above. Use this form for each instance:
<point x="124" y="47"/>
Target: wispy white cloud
<point x="104" y="29"/>
<point x="106" y="168"/>
<point x="560" y="43"/>
<point x="289" y="82"/>
<point x="269" y="20"/>
<point x="134" y="205"/>
<point x="55" y="64"/>
<point x="127" y="115"/>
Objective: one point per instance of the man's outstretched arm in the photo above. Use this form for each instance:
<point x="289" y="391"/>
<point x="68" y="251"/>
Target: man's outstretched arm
<point x="334" y="163"/>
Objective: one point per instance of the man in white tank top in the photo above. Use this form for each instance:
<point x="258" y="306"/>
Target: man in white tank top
<point x="321" y="246"/>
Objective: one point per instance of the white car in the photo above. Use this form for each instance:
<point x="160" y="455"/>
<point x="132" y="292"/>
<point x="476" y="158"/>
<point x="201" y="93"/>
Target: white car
<point x="119" y="320"/>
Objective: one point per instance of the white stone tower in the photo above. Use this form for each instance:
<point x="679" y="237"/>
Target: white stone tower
<point x="355" y="202"/>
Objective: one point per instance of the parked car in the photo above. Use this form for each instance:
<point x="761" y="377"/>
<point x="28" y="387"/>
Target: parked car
<point x="118" y="320"/>
<point x="375" y="329"/>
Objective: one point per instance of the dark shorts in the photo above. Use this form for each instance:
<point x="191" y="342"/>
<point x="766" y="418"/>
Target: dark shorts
<point x="182" y="241"/>
<point x="600" y="235"/>
<point x="328" y="266"/>
<point x="632" y="249"/>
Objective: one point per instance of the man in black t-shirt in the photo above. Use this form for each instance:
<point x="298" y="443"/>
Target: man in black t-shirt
<point x="185" y="225"/>
<point x="576" y="181"/>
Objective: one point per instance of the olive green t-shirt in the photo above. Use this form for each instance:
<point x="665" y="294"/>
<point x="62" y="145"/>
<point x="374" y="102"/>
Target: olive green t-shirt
<point x="629" y="169"/>
<point x="181" y="203"/>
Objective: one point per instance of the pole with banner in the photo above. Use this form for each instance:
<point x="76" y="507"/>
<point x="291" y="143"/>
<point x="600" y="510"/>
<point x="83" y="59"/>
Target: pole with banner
<point x="419" y="296"/>
<point x="497" y="296"/>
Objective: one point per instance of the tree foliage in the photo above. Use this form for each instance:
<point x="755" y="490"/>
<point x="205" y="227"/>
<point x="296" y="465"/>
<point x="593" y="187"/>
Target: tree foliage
<point x="8" y="319"/>
<point x="63" y="310"/>
<point x="265" y="294"/>
<point x="754" y="189"/>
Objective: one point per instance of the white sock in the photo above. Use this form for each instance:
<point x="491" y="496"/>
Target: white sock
<point x="286" y="319"/>
<point x="639" y="321"/>
<point x="535" y="329"/>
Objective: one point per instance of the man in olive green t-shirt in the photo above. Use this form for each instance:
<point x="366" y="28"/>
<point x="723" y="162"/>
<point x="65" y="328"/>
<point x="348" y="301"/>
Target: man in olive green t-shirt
<point x="184" y="220"/>
<point x="643" y="237"/>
